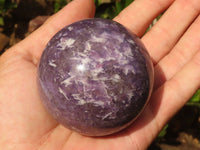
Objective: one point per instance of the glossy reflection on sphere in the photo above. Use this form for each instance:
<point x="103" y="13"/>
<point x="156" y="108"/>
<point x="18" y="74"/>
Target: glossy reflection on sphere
<point x="95" y="77"/>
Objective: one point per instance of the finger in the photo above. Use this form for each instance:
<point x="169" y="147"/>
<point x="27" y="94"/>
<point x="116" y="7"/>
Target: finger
<point x="166" y="32"/>
<point x="36" y="42"/>
<point x="138" y="15"/>
<point x="172" y="95"/>
<point x="185" y="49"/>
<point x="55" y="139"/>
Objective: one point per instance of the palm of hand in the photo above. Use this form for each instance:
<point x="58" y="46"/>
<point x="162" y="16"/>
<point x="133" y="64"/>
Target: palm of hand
<point x="24" y="122"/>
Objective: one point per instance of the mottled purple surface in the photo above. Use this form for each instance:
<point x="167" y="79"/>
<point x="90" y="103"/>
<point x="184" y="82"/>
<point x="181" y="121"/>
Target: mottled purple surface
<point x="94" y="77"/>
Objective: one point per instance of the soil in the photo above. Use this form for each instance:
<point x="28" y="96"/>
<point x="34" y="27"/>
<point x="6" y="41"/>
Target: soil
<point x="183" y="131"/>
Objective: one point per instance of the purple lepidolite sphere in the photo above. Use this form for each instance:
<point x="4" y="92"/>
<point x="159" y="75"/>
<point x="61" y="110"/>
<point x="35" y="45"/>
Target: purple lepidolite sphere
<point x="95" y="77"/>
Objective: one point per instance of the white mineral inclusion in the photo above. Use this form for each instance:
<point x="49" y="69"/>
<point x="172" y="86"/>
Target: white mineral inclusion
<point x="128" y="52"/>
<point x="131" y="41"/>
<point x="110" y="115"/>
<point x="51" y="63"/>
<point x="116" y="78"/>
<point x="80" y="100"/>
<point x="87" y="46"/>
<point x="119" y="38"/>
<point x="62" y="92"/>
<point x="70" y="28"/>
<point x="98" y="39"/>
<point x="83" y="101"/>
<point x="66" y="43"/>
<point x="67" y="81"/>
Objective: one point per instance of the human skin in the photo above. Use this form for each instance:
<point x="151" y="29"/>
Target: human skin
<point x="173" y="44"/>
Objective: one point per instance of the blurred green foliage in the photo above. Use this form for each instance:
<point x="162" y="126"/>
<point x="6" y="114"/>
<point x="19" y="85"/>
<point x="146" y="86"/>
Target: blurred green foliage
<point x="120" y="5"/>
<point x="58" y="4"/>
<point x="195" y="100"/>
<point x="112" y="9"/>
<point x="104" y="9"/>
<point x="5" y="7"/>
<point x="163" y="132"/>
<point x="196" y="97"/>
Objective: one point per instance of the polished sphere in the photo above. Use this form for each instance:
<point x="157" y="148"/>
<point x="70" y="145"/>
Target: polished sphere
<point x="95" y="77"/>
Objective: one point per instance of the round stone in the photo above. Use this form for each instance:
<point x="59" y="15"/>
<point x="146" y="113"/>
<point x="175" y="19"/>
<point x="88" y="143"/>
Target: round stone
<point x="95" y="77"/>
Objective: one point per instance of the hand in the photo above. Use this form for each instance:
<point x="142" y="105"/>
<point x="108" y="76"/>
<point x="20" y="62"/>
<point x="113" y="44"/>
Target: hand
<point x="173" y="44"/>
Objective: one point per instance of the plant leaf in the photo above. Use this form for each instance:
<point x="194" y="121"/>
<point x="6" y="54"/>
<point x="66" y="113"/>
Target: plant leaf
<point x="1" y="21"/>
<point x="163" y="131"/>
<point x="196" y="97"/>
<point x="128" y="2"/>
<point x="119" y="7"/>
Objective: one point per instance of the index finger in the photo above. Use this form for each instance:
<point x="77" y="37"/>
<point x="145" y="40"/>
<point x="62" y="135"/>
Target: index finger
<point x="139" y="15"/>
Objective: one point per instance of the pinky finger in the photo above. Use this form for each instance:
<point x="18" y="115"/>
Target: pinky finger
<point x="174" y="93"/>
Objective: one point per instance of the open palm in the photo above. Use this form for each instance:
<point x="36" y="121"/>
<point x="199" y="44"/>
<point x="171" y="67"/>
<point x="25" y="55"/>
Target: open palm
<point x="173" y="43"/>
